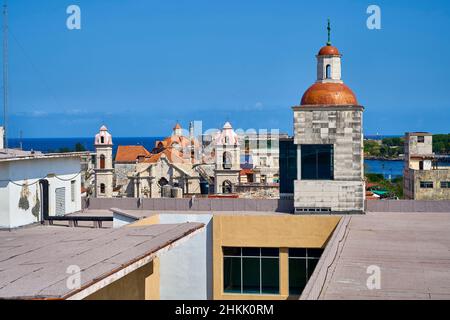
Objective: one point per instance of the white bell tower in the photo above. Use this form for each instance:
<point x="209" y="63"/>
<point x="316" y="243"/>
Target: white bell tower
<point x="104" y="170"/>
<point x="227" y="159"/>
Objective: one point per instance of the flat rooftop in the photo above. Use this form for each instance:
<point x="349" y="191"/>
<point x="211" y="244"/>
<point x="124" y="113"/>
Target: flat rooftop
<point x="16" y="154"/>
<point x="412" y="251"/>
<point x="34" y="261"/>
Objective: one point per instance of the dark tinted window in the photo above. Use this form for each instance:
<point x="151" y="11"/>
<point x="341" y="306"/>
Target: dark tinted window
<point x="317" y="162"/>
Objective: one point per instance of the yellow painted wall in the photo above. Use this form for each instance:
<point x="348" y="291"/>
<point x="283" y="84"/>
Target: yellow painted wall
<point x="140" y="284"/>
<point x="145" y="222"/>
<point x="267" y="231"/>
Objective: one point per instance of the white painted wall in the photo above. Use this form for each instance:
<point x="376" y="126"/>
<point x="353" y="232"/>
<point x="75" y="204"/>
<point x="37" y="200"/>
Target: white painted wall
<point x="186" y="270"/>
<point x="4" y="196"/>
<point x="30" y="171"/>
<point x="120" y="220"/>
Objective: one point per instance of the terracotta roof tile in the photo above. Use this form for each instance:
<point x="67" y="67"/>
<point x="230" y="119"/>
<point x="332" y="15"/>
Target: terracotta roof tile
<point x="173" y="155"/>
<point x="129" y="154"/>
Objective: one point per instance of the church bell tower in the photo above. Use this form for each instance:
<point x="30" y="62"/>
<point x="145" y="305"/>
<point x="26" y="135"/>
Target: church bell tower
<point x="104" y="170"/>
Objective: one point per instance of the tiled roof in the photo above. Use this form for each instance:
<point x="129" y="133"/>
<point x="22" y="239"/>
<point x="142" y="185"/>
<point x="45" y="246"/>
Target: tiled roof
<point x="129" y="154"/>
<point x="168" y="142"/>
<point x="173" y="155"/>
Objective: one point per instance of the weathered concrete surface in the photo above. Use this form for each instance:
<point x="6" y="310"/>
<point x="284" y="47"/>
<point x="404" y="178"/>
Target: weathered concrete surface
<point x="34" y="262"/>
<point x="412" y="251"/>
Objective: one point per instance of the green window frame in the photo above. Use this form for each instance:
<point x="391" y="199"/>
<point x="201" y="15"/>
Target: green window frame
<point x="251" y="270"/>
<point x="302" y="262"/>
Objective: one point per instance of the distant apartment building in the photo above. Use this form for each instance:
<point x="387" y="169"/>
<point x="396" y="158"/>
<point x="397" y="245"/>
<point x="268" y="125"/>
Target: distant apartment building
<point x="328" y="132"/>
<point x="262" y="151"/>
<point x="423" y="178"/>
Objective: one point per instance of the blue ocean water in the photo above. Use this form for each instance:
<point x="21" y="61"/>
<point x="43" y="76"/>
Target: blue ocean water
<point x="48" y="145"/>
<point x="388" y="168"/>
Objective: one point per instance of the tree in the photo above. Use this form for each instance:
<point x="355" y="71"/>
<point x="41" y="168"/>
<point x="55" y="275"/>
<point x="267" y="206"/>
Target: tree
<point x="372" y="148"/>
<point x="79" y="147"/>
<point x="441" y="143"/>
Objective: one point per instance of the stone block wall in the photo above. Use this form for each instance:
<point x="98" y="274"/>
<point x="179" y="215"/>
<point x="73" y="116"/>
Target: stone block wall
<point x="341" y="127"/>
<point x="336" y="195"/>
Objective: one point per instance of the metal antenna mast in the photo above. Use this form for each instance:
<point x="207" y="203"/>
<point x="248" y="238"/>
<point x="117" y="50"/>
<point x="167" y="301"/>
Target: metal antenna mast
<point x="5" y="74"/>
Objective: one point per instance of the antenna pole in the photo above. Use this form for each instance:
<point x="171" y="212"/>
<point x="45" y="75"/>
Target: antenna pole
<point x="5" y="74"/>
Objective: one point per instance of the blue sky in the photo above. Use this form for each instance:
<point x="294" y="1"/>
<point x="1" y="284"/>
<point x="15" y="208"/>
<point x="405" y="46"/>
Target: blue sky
<point x="140" y="65"/>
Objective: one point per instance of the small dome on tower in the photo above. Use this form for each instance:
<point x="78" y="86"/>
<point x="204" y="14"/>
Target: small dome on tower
<point x="103" y="137"/>
<point x="329" y="50"/>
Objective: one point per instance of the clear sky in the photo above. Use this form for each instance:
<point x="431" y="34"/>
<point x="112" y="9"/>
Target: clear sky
<point x="140" y="65"/>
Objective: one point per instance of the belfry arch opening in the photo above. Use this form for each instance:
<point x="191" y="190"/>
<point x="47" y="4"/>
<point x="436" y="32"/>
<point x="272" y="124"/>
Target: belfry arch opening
<point x="227" y="160"/>
<point x="227" y="187"/>
<point x="102" y="162"/>
<point x="328" y="71"/>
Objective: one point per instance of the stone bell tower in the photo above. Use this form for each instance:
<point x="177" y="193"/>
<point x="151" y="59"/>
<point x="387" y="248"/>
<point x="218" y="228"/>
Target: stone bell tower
<point x="104" y="170"/>
<point x="328" y="132"/>
<point x="227" y="160"/>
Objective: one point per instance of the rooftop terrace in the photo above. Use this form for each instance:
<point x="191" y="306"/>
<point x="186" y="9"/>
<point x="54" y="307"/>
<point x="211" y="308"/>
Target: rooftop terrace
<point x="34" y="261"/>
<point x="412" y="251"/>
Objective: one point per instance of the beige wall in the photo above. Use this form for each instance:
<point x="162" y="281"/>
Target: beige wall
<point x="140" y="284"/>
<point x="435" y="176"/>
<point x="275" y="231"/>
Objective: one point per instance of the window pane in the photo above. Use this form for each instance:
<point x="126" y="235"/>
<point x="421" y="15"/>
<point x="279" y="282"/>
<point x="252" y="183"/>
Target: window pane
<point x="232" y="275"/>
<point x="308" y="164"/>
<point x="297" y="253"/>
<point x="324" y="163"/>
<point x="317" y="162"/>
<point x="312" y="263"/>
<point x="254" y="252"/>
<point x="250" y="274"/>
<point x="270" y="274"/>
<point x="316" y="253"/>
<point x="229" y="251"/>
<point x="270" y="252"/>
<point x="297" y="276"/>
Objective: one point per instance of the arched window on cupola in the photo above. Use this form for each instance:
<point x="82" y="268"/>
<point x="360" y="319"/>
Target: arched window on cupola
<point x="102" y="139"/>
<point x="328" y="71"/>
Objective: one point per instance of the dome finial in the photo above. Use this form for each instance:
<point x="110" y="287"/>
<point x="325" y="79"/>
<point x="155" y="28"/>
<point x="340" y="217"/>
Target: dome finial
<point x="329" y="33"/>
